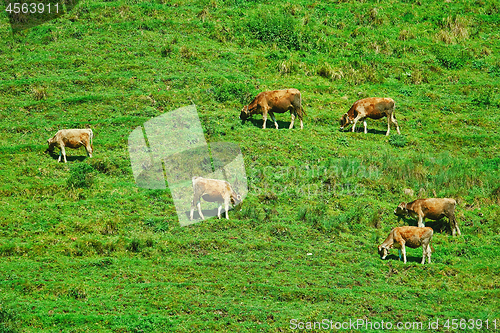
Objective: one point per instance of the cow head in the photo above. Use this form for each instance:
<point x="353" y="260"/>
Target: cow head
<point x="235" y="198"/>
<point x="401" y="210"/>
<point x="52" y="144"/>
<point x="383" y="251"/>
<point x="244" y="113"/>
<point x="344" y="121"/>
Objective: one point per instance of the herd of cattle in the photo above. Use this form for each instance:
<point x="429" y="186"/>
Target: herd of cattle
<point x="281" y="101"/>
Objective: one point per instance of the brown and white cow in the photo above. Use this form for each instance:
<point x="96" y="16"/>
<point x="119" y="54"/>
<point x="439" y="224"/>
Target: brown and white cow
<point x="213" y="190"/>
<point x="413" y="237"/>
<point x="374" y="108"/>
<point x="71" y="138"/>
<point x="431" y="208"/>
<point x="275" y="101"/>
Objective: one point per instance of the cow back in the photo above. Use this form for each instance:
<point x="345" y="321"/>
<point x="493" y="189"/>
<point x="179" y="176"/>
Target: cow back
<point x="211" y="190"/>
<point x="276" y="101"/>
<point x="372" y="107"/>
<point x="433" y="208"/>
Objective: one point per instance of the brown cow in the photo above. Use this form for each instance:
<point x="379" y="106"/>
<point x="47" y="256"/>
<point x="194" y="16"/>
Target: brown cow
<point x="413" y="237"/>
<point x="275" y="101"/>
<point x="374" y="108"/>
<point x="71" y="138"/>
<point x="432" y="208"/>
<point x="212" y="190"/>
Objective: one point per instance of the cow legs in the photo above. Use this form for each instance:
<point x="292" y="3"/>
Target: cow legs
<point x="274" y="119"/>
<point x="454" y="225"/>
<point x="395" y="122"/>
<point x="354" y="123"/>
<point x="403" y="250"/>
<point x="264" y="118"/>
<point x="293" y="120"/>
<point x="88" y="148"/>
<point x="226" y="204"/>
<point x="192" y="211"/>
<point x="427" y="253"/>
<point x="421" y="221"/>
<point x="63" y="153"/>
<point x="392" y="119"/>
<point x="364" y="123"/>
<point x="196" y="202"/>
<point x="199" y="210"/>
<point x="218" y="210"/>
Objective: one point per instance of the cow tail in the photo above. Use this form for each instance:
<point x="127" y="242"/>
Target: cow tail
<point x="302" y="112"/>
<point x="91" y="138"/>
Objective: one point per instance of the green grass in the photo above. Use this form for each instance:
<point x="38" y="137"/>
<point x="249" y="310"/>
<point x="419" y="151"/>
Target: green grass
<point x="83" y="249"/>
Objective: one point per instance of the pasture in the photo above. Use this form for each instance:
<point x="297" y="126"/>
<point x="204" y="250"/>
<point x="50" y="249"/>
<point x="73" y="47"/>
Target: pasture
<point x="83" y="249"/>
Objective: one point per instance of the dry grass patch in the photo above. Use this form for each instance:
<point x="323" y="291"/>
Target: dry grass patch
<point x="39" y="93"/>
<point x="456" y="29"/>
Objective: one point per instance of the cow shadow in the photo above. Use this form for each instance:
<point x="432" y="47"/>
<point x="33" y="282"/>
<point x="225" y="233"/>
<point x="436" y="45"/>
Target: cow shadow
<point x="207" y="213"/>
<point x="375" y="131"/>
<point x="270" y="124"/>
<point x="55" y="156"/>
<point x="441" y="225"/>
<point x="361" y="130"/>
<point x="407" y="221"/>
<point x="409" y="259"/>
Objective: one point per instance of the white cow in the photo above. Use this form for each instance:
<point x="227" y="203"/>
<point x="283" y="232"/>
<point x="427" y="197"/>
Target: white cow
<point x="71" y="138"/>
<point x="213" y="190"/>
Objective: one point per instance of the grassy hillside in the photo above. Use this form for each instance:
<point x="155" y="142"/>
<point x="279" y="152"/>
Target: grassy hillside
<point x="83" y="249"/>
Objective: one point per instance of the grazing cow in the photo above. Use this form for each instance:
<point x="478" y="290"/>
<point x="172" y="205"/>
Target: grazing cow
<point x="432" y="208"/>
<point x="374" y="108"/>
<point x="213" y="190"/>
<point x="71" y="138"/>
<point x="413" y="237"/>
<point x="276" y="101"/>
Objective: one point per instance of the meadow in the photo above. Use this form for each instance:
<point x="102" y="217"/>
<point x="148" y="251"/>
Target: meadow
<point x="83" y="249"/>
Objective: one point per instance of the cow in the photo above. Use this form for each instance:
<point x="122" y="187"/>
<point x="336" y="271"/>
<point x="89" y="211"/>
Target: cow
<point x="275" y="101"/>
<point x="212" y="190"/>
<point x="71" y="138"/>
<point x="413" y="237"/>
<point x="374" y="108"/>
<point x="432" y="208"/>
